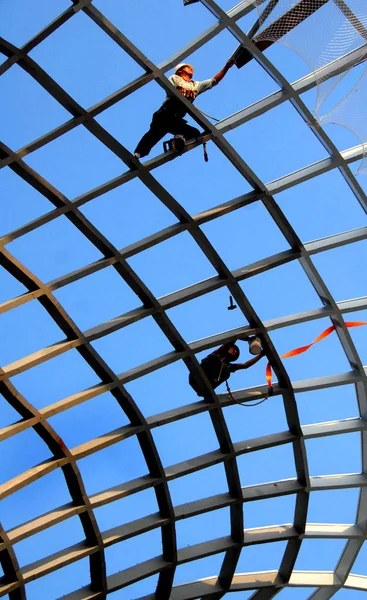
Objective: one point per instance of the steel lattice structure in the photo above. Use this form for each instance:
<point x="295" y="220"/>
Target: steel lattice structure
<point x="264" y="585"/>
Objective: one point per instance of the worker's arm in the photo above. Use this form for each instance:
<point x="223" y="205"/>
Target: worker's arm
<point x="219" y="76"/>
<point x="248" y="364"/>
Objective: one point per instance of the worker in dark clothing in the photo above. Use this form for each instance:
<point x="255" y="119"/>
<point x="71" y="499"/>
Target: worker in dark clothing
<point x="218" y="368"/>
<point x="169" y="118"/>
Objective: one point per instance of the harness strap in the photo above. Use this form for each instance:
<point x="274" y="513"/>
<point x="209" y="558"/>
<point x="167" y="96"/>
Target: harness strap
<point x="220" y="372"/>
<point x="246" y="404"/>
<point x="209" y="116"/>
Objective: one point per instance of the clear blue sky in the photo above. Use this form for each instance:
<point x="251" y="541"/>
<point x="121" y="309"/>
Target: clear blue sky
<point x="81" y="58"/>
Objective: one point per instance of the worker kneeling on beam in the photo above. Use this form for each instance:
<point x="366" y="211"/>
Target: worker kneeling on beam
<point x="218" y="366"/>
<point x="169" y="118"/>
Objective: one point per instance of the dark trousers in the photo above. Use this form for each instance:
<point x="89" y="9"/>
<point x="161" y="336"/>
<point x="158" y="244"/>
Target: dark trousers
<point x="198" y="386"/>
<point x="164" y="122"/>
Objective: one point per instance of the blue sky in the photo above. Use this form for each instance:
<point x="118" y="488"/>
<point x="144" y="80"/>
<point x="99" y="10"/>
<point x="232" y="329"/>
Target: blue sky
<point x="90" y="66"/>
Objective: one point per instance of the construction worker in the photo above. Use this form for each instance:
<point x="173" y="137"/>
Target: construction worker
<point x="169" y="117"/>
<point x="217" y="365"/>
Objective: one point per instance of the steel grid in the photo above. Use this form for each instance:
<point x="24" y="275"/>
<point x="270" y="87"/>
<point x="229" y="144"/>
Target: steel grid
<point x="268" y="584"/>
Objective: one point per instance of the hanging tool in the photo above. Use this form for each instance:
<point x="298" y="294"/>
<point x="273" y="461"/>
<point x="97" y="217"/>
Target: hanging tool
<point x="206" y="157"/>
<point x="232" y="305"/>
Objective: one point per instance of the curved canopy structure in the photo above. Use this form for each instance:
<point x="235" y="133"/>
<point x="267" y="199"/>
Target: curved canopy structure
<point x="118" y="481"/>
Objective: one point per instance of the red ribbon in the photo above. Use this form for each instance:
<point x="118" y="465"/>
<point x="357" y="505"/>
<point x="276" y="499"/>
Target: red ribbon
<point x="301" y="349"/>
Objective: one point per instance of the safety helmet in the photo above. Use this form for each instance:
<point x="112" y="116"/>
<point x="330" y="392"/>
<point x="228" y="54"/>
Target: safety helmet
<point x="181" y="66"/>
<point x="233" y="357"/>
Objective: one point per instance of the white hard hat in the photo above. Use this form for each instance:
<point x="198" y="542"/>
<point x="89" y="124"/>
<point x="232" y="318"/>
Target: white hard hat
<point x="181" y="66"/>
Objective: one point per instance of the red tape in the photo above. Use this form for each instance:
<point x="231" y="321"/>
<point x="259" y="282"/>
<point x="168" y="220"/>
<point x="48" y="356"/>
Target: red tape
<point x="301" y="349"/>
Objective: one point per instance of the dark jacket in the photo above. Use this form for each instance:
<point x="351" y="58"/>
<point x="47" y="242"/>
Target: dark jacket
<point x="215" y="369"/>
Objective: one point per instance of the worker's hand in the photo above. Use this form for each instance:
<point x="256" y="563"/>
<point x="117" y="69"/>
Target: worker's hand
<point x="219" y="76"/>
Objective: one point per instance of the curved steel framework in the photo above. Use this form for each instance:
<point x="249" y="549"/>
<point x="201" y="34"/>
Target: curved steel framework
<point x="264" y="585"/>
